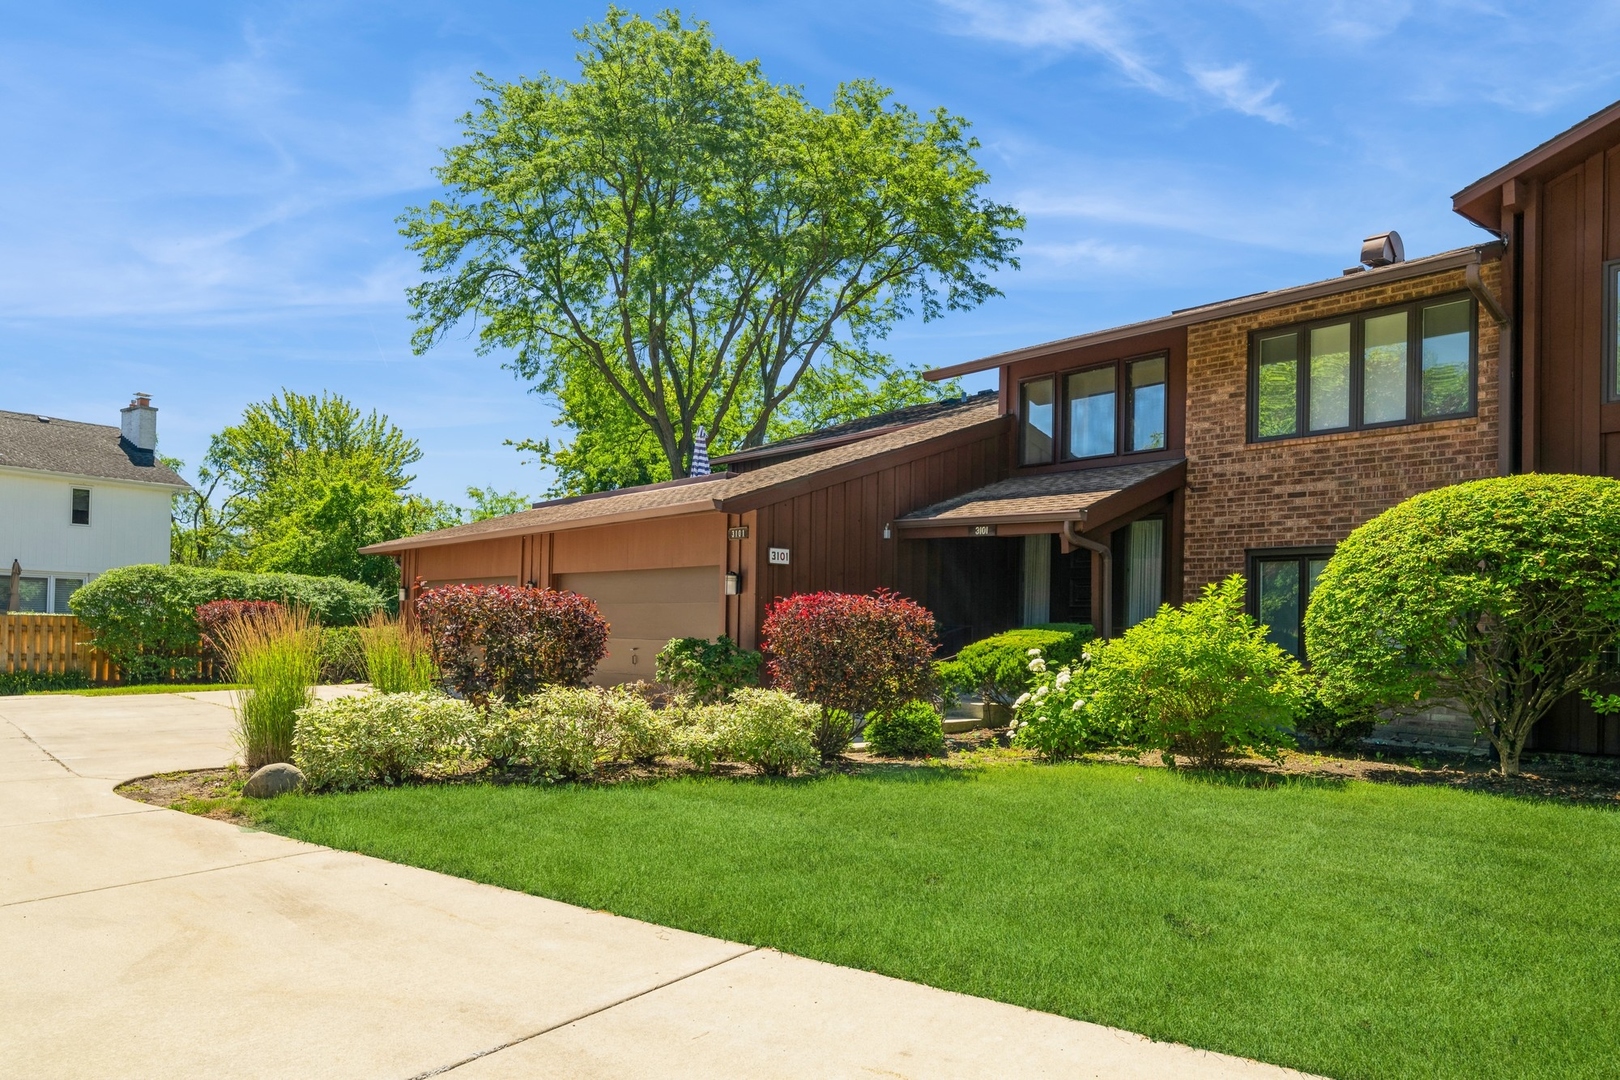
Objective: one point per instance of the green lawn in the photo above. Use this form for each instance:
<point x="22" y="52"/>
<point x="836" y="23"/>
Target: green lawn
<point x="1354" y="930"/>
<point x="145" y="688"/>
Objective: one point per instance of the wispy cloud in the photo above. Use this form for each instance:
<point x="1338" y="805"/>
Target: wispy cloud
<point x="1236" y="88"/>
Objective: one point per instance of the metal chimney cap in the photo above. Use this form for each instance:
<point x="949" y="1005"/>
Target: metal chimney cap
<point x="1383" y="249"/>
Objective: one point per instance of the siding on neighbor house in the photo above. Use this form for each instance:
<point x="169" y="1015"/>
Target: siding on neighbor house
<point x="129" y="523"/>
<point x="1314" y="490"/>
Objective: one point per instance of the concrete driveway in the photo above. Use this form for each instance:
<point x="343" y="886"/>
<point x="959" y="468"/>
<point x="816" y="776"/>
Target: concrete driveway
<point x="141" y="942"/>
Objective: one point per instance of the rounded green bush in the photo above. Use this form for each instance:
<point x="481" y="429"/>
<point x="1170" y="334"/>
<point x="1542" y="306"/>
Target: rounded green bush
<point x="912" y="730"/>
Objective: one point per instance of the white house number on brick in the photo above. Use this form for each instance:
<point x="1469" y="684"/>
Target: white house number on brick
<point x="779" y="556"/>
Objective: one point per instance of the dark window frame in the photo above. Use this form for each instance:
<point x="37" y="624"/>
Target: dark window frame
<point x="1124" y="417"/>
<point x="1304" y="556"/>
<point x="1357" y="320"/>
<point x="73" y="507"/>
<point x="1611" y="333"/>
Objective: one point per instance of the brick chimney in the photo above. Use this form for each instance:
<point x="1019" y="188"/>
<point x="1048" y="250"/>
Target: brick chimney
<point x="139" y="423"/>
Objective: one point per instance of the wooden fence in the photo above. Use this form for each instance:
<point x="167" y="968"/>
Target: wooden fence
<point x="50" y="644"/>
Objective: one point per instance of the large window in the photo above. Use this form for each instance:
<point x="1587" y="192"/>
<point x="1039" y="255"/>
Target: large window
<point x="40" y="595"/>
<point x="1121" y="407"/>
<point x="1280" y="590"/>
<point x="1359" y="371"/>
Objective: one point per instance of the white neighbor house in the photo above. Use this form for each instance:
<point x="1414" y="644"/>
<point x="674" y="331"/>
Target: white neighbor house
<point x="77" y="500"/>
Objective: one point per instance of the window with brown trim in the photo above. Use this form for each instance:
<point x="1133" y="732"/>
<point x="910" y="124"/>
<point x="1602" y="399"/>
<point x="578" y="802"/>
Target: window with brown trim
<point x="1108" y="410"/>
<point x="1037" y="421"/>
<point x="1280" y="586"/>
<point x="1611" y="336"/>
<point x="1381" y="368"/>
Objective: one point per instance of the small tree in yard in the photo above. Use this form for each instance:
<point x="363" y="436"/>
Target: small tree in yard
<point x="851" y="655"/>
<point x="1502" y="595"/>
<point x="508" y="641"/>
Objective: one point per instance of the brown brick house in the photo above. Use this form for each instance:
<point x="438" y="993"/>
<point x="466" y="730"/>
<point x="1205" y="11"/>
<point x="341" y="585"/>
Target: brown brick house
<point x="1118" y="469"/>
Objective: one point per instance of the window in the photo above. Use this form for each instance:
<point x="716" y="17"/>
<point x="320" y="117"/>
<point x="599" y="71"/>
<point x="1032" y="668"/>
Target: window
<point x="1147" y="403"/>
<point x="1091" y="412"/>
<point x="1350" y="373"/>
<point x="81" y="506"/>
<point x="1038" y="417"/>
<point x="1281" y="584"/>
<point x="1144" y="570"/>
<point x="62" y="589"/>
<point x="31" y="594"/>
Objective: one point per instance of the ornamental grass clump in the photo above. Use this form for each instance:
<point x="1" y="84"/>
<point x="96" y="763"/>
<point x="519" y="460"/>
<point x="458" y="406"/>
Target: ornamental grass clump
<point x="277" y="659"/>
<point x="369" y="739"/>
<point x="398" y="657"/>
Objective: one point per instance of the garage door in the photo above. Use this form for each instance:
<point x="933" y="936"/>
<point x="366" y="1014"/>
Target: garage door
<point x="645" y="608"/>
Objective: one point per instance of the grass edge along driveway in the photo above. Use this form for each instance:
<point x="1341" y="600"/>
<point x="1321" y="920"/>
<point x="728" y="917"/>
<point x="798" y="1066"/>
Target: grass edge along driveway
<point x="1353" y="930"/>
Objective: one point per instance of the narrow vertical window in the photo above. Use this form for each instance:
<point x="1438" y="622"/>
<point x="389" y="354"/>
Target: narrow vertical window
<point x="1147" y="409"/>
<point x="1278" y="390"/>
<point x="1091" y="412"/>
<point x="1280" y="601"/>
<point x="1445" y="358"/>
<point x="1039" y="416"/>
<point x="1383" y="387"/>
<point x="81" y="506"/>
<point x="1613" y="344"/>
<point x="1330" y="377"/>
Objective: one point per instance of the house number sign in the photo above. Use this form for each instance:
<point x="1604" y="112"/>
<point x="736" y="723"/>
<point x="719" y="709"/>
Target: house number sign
<point x="737" y="532"/>
<point x="779" y="556"/>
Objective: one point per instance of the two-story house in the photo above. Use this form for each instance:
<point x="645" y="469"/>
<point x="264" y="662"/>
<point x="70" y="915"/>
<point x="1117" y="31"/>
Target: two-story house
<point x="77" y="500"/>
<point x="1120" y="468"/>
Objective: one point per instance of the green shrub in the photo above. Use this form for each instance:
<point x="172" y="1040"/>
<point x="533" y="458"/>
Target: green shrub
<point x="1331" y="727"/>
<point x="1052" y="718"/>
<point x="1500" y="594"/>
<point x="912" y="730"/>
<point x="564" y="731"/>
<point x="772" y="731"/>
<point x="277" y="659"/>
<point x="698" y="734"/>
<point x="343" y="659"/>
<point x="997" y="668"/>
<point x="708" y="671"/>
<point x="144" y="617"/>
<point x="355" y="742"/>
<point x="397" y="658"/>
<point x="27" y="682"/>
<point x="1201" y="681"/>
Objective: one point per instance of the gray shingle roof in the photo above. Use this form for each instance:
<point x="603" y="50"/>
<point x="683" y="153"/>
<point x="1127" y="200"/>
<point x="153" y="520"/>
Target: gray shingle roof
<point x="1042" y="497"/>
<point x="908" y="414"/>
<point x="711" y="494"/>
<point x="69" y="446"/>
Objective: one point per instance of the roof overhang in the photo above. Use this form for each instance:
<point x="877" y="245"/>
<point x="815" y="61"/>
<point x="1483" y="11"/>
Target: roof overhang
<point x="1488" y="199"/>
<point x="450" y="536"/>
<point x="1383" y="275"/>
<point x="1110" y="496"/>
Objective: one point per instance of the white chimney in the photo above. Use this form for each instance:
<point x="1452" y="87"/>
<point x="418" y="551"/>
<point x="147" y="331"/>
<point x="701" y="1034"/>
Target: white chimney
<point x="139" y="423"/>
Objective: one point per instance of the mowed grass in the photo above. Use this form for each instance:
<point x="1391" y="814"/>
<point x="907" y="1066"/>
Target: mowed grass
<point x="1353" y="930"/>
<point x="143" y="688"/>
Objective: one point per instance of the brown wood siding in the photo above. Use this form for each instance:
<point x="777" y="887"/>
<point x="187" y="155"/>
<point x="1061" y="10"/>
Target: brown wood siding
<point x="483" y="560"/>
<point x="691" y="540"/>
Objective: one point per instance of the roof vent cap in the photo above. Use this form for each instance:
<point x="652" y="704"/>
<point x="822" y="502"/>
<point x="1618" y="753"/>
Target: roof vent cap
<point x="1383" y="249"/>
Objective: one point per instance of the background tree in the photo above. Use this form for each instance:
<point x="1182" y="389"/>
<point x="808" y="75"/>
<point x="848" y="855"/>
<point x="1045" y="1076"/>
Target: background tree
<point x="1500" y="594"/>
<point x="488" y="503"/>
<point x="674" y="233"/>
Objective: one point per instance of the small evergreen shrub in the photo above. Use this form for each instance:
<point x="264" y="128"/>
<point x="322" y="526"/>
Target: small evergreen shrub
<point x="367" y="739"/>
<point x="771" y="731"/>
<point x="911" y="730"/>
<point x="850" y="655"/>
<point x="28" y="682"/>
<point x="708" y="671"/>
<point x="997" y="667"/>
<point x="343" y="659"/>
<point x="509" y="641"/>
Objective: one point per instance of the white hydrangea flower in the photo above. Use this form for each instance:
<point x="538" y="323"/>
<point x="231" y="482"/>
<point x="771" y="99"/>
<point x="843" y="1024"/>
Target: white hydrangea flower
<point x="1086" y="657"/>
<point x="1037" y="665"/>
<point x="1033" y="652"/>
<point x="1063" y="678"/>
<point x="1079" y="703"/>
<point x="1021" y="699"/>
<point x="1041" y="691"/>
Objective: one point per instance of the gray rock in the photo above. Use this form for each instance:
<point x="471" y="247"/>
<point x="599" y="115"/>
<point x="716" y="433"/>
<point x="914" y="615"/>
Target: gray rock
<point x="273" y="780"/>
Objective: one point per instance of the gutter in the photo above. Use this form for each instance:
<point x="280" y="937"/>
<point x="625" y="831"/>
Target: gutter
<point x="1482" y="293"/>
<point x="1105" y="603"/>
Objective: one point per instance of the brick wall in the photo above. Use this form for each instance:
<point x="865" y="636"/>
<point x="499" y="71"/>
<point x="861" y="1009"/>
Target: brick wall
<point x="1313" y="490"/>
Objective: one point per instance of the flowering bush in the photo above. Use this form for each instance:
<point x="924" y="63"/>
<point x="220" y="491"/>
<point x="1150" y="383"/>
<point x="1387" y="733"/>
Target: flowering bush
<point x="355" y="742"/>
<point x="996" y="668"/>
<point x="509" y="640"/>
<point x="850" y="655"/>
<point x="1052" y="717"/>
<point x="910" y="730"/>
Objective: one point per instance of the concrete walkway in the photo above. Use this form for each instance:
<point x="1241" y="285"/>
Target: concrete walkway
<point x="140" y="942"/>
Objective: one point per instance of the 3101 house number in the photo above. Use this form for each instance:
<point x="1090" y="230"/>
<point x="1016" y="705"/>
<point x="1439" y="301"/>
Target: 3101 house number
<point x="779" y="556"/>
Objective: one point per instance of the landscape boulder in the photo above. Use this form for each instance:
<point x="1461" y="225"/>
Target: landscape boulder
<point x="274" y="779"/>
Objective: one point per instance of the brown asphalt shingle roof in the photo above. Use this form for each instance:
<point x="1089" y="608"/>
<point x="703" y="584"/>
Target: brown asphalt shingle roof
<point x="909" y="414"/>
<point x="657" y="500"/>
<point x="1045" y="496"/>
<point x="69" y="446"/>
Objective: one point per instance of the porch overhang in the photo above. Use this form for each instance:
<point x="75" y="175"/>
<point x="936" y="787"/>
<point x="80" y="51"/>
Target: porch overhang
<point x="1089" y="501"/>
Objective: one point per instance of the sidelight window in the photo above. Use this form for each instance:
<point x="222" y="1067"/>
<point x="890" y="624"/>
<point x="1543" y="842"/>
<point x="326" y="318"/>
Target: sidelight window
<point x="1038" y="418"/>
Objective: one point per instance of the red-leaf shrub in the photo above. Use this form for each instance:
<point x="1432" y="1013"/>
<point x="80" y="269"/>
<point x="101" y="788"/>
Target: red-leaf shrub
<point x="851" y="655"/>
<point x="511" y="640"/>
<point x="215" y="616"/>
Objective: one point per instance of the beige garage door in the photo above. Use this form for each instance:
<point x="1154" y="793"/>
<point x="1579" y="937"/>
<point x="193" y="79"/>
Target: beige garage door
<point x="645" y="608"/>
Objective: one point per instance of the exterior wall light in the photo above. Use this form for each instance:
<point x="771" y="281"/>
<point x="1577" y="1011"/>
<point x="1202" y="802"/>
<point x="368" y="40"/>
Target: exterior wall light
<point x="733" y="583"/>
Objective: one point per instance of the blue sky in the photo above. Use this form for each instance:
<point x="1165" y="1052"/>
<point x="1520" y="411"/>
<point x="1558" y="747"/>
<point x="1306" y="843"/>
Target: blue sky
<point x="200" y="198"/>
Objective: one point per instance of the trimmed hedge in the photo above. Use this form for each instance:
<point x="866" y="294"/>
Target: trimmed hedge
<point x="997" y="668"/>
<point x="145" y="617"/>
<point x="24" y="682"/>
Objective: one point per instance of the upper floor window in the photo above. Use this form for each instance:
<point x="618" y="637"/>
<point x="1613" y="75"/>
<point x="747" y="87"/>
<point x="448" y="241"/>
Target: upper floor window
<point x="1399" y="365"/>
<point x="1107" y="410"/>
<point x="80" y="514"/>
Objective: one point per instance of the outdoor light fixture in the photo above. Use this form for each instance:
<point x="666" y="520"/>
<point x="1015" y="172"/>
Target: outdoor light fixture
<point x="733" y="583"/>
<point x="885" y="530"/>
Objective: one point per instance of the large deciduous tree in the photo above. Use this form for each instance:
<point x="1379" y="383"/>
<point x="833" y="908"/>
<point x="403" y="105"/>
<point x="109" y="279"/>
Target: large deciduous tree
<point x="678" y="235"/>
<point x="1502" y="595"/>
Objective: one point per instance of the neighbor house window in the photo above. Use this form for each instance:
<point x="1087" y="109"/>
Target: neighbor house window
<point x="31" y="594"/>
<point x="1038" y="415"/>
<point x="1280" y="590"/>
<point x="1359" y="371"/>
<point x="81" y="506"/>
<point x="62" y="589"/>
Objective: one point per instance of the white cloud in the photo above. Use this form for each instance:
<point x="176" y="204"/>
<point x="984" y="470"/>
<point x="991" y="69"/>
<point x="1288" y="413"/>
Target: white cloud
<point x="1234" y="87"/>
<point x="1060" y="25"/>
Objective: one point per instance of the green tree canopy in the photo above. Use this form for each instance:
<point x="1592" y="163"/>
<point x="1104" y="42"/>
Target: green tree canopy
<point x="677" y="235"/>
<point x="1500" y="594"/>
